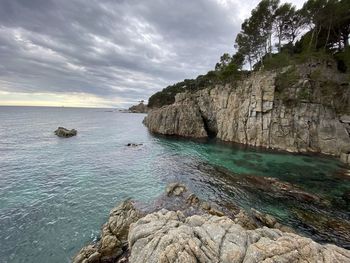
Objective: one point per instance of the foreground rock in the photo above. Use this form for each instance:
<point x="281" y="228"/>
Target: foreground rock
<point x="257" y="112"/>
<point x="168" y="236"/>
<point x="65" y="133"/>
<point x="114" y="236"/>
<point x="193" y="230"/>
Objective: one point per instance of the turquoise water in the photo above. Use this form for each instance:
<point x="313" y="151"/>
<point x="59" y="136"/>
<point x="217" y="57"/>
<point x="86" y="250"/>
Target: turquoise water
<point x="56" y="193"/>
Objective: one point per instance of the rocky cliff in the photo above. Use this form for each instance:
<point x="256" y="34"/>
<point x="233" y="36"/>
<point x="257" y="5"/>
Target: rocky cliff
<point x="299" y="109"/>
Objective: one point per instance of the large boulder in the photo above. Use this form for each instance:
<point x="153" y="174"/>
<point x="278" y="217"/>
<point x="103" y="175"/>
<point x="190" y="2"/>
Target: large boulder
<point x="65" y="133"/>
<point x="168" y="236"/>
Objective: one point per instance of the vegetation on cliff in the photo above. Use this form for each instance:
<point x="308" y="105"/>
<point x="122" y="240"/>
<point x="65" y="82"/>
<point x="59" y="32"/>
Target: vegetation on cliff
<point x="276" y="36"/>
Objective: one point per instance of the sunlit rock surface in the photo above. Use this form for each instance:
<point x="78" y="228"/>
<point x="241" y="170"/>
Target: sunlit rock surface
<point x="168" y="236"/>
<point x="194" y="230"/>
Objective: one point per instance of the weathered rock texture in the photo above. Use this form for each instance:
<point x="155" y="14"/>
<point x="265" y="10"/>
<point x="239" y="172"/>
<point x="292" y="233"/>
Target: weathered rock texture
<point x="193" y="230"/>
<point x="113" y="238"/>
<point x="250" y="112"/>
<point x="168" y="236"/>
<point x="182" y="119"/>
<point x="63" y="132"/>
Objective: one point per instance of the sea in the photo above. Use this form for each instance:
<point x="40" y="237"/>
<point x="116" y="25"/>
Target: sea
<point x="55" y="193"/>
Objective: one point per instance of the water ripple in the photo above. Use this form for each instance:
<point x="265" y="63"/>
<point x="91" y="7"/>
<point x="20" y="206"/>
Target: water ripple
<point x="56" y="193"/>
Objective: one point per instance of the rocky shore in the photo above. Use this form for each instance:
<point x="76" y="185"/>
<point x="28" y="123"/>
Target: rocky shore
<point x="260" y="111"/>
<point x="139" y="108"/>
<point x="187" y="229"/>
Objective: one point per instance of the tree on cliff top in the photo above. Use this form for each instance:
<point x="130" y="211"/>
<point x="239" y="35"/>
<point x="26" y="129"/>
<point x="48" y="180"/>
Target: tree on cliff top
<point x="321" y="26"/>
<point x="327" y="21"/>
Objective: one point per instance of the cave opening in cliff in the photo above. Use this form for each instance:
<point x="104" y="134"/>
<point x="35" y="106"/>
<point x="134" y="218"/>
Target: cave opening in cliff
<point x="210" y="127"/>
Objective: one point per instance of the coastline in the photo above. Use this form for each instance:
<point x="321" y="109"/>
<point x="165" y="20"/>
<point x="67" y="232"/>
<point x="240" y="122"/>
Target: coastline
<point x="258" y="112"/>
<point x="184" y="228"/>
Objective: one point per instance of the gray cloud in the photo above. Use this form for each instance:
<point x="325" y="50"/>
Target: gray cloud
<point x="126" y="49"/>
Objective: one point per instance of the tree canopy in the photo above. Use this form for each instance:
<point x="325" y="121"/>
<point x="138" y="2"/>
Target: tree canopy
<point x="319" y="24"/>
<point x="271" y="37"/>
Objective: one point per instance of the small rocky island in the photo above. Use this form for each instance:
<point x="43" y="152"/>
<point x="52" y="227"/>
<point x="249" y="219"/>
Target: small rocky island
<point x="140" y="108"/>
<point x="188" y="229"/>
<point x="65" y="133"/>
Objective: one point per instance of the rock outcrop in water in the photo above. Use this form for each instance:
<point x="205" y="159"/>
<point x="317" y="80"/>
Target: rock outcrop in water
<point x="140" y="108"/>
<point x="196" y="234"/>
<point x="258" y="112"/>
<point x="65" y="133"/>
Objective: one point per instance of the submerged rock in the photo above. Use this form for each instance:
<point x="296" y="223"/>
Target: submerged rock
<point x="65" y="133"/>
<point x="175" y="189"/>
<point x="278" y="189"/>
<point x="326" y="227"/>
<point x="168" y="236"/>
<point x="134" y="144"/>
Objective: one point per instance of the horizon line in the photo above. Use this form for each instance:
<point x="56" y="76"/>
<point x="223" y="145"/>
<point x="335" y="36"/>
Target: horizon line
<point x="44" y="106"/>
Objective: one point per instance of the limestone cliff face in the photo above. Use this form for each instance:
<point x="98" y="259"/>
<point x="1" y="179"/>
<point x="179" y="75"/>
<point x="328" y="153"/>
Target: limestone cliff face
<point x="182" y="119"/>
<point x="252" y="112"/>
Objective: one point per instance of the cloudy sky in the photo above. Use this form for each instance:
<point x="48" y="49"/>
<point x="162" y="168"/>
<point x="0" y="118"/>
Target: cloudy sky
<point x="110" y="53"/>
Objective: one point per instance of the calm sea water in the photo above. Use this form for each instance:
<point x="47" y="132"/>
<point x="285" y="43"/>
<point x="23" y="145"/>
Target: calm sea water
<point x="56" y="193"/>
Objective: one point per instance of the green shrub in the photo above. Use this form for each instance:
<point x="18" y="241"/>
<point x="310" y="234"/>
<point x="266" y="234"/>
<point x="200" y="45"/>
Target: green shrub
<point x="303" y="94"/>
<point x="230" y="72"/>
<point x="167" y="95"/>
<point x="316" y="75"/>
<point x="277" y="61"/>
<point x="283" y="82"/>
<point x="307" y="56"/>
<point x="225" y="74"/>
<point x="343" y="60"/>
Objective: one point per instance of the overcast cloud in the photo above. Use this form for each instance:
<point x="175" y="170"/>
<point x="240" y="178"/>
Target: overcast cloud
<point x="109" y="52"/>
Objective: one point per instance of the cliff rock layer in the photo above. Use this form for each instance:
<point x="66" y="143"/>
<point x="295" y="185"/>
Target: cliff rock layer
<point x="267" y="109"/>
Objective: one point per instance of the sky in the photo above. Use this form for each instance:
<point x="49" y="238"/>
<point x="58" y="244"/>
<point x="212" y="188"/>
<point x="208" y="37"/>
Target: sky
<point x="110" y="53"/>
